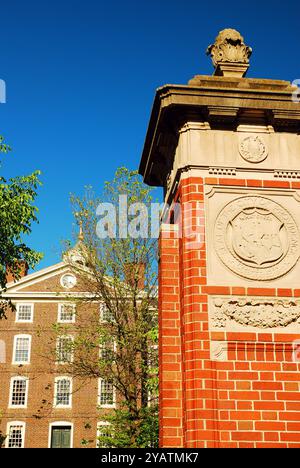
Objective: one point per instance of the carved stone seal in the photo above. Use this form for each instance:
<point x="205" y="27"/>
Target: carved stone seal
<point x="256" y="238"/>
<point x="253" y="149"/>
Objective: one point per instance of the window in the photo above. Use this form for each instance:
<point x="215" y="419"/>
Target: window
<point x="61" y="435"/>
<point x="18" y="392"/>
<point x="64" y="349"/>
<point x="15" y="434"/>
<point x="103" y="430"/>
<point x="66" y="313"/>
<point x="106" y="396"/>
<point x="21" y="353"/>
<point x="107" y="350"/>
<point x="63" y="392"/>
<point x="24" y="313"/>
<point x="105" y="314"/>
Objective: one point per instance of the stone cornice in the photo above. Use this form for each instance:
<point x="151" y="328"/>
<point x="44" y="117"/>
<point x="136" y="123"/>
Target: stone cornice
<point x="220" y="102"/>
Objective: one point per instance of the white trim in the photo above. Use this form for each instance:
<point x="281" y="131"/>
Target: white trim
<point x="103" y="308"/>
<point x="12" y="379"/>
<point x="100" y="424"/>
<point x="33" y="278"/>
<point x="60" y="306"/>
<point x="53" y="295"/>
<point x="59" y="424"/>
<point x="17" y="363"/>
<point x="61" y="363"/>
<point x="102" y="347"/>
<point x="69" y="379"/>
<point x="113" y="405"/>
<point x="15" y="423"/>
<point x="18" y="310"/>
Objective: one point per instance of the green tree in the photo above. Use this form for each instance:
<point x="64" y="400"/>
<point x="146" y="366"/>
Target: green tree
<point x="120" y="272"/>
<point x="17" y="213"/>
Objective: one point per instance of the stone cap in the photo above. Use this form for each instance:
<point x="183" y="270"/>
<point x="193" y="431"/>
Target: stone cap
<point x="221" y="102"/>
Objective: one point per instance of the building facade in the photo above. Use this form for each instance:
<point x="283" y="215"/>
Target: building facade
<point x="226" y="150"/>
<point x="41" y="406"/>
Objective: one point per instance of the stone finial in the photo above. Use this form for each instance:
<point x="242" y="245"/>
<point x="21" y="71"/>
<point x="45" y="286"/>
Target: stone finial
<point x="230" y="55"/>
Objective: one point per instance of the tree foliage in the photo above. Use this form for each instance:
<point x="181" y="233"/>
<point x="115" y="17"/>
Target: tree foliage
<point x="17" y="213"/>
<point x="110" y="270"/>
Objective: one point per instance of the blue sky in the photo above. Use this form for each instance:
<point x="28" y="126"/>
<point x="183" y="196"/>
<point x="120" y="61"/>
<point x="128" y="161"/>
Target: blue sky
<point x="81" y="78"/>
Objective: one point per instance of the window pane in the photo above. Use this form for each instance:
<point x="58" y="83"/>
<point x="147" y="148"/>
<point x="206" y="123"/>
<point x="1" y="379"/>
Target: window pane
<point x="106" y="314"/>
<point x="64" y="349"/>
<point x="63" y="390"/>
<point x="66" y="312"/>
<point x="15" y="436"/>
<point x="107" y="350"/>
<point x="106" y="393"/>
<point x="103" y="430"/>
<point x="24" y="313"/>
<point x="22" y="349"/>
<point x="18" y="396"/>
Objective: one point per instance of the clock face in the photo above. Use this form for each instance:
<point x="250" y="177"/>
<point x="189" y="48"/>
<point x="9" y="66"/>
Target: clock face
<point x="68" y="281"/>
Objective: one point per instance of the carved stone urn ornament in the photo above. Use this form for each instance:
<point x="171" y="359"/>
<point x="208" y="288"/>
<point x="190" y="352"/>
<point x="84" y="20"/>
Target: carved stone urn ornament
<point x="230" y="55"/>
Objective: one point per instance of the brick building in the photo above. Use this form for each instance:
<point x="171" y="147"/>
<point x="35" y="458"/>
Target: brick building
<point x="227" y="149"/>
<point x="40" y="406"/>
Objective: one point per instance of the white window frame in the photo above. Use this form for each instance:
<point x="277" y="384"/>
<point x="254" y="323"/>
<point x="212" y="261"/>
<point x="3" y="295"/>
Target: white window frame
<point x="31" y="304"/>
<point x="101" y="405"/>
<point x="61" y="363"/>
<point x="18" y="377"/>
<point x="102" y="347"/>
<point x="15" y="423"/>
<point x="69" y="379"/>
<point x="60" y="306"/>
<point x="99" y="425"/>
<point x="102" y="308"/>
<point x="58" y="424"/>
<point x="23" y="363"/>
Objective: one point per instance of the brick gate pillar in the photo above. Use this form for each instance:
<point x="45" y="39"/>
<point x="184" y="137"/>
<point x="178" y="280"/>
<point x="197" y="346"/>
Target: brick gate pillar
<point x="226" y="149"/>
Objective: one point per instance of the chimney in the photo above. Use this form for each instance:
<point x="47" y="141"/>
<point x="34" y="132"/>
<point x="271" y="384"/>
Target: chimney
<point x="135" y="272"/>
<point x="15" y="274"/>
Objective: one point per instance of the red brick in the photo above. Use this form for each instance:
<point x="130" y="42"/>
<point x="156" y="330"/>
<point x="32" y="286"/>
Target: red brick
<point x="215" y="290"/>
<point x="246" y="436"/>
<point x="211" y="180"/>
<point x="284" y="292"/>
<point x="276" y="183"/>
<point x="240" y="182"/>
<point x="290" y="436"/>
<point x="254" y="183"/>
<point x="261" y="291"/>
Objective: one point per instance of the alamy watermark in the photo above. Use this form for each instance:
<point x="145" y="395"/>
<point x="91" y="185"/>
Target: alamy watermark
<point x="296" y="93"/>
<point x="2" y="92"/>
<point x="138" y="220"/>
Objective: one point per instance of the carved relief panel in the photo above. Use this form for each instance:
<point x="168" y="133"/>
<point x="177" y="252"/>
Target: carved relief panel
<point x="252" y="313"/>
<point x="253" y="236"/>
